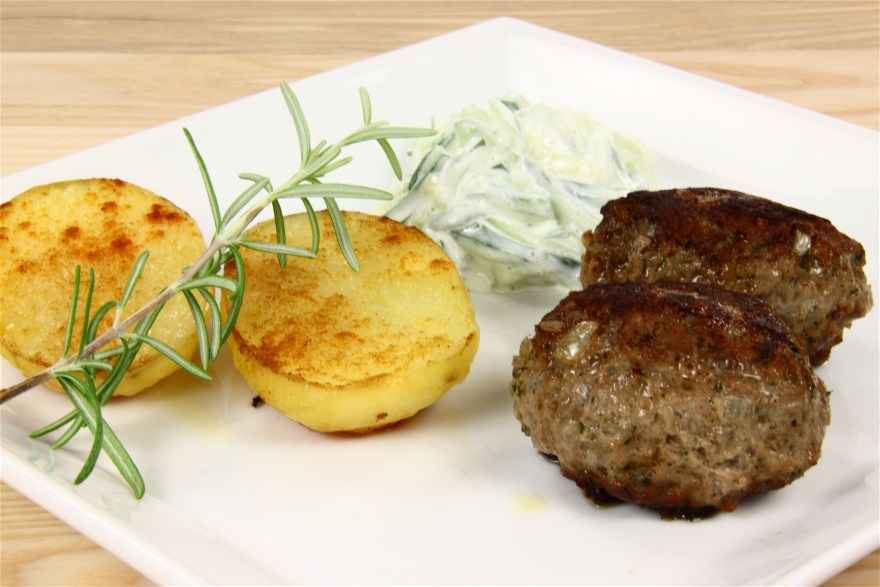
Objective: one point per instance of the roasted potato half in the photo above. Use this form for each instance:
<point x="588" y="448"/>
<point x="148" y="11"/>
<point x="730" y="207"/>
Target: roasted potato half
<point x="338" y="350"/>
<point x="100" y="223"/>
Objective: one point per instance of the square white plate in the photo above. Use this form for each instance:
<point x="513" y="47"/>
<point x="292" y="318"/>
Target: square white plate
<point x="458" y="495"/>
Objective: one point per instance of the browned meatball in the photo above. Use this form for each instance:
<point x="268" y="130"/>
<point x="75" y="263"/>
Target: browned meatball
<point x="681" y="397"/>
<point x="809" y="273"/>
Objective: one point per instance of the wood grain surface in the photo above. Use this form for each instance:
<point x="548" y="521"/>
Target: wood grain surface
<point x="75" y="74"/>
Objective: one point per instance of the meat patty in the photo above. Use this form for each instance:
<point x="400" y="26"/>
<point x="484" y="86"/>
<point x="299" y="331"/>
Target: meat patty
<point x="810" y="274"/>
<point x="685" y="398"/>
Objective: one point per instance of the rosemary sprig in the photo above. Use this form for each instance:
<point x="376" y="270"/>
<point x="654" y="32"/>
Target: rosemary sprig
<point x="204" y="279"/>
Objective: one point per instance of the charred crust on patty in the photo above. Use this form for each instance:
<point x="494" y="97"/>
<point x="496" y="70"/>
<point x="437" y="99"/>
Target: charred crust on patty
<point x="680" y="313"/>
<point x="697" y="218"/>
<point x="678" y="397"/>
<point x="811" y="274"/>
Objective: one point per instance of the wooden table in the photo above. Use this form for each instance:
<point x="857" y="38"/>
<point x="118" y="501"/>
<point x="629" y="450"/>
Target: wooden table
<point x="75" y="74"/>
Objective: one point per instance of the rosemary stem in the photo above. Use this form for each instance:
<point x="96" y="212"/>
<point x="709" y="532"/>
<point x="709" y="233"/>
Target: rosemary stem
<point x="115" y="331"/>
<point x="233" y="231"/>
<point x="24" y="385"/>
<point x="227" y="235"/>
<point x="204" y="276"/>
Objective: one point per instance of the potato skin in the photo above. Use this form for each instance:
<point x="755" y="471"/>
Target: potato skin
<point x="103" y="224"/>
<point x="338" y="350"/>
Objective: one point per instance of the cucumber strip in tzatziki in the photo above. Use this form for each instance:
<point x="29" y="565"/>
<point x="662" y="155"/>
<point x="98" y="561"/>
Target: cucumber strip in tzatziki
<point x="509" y="189"/>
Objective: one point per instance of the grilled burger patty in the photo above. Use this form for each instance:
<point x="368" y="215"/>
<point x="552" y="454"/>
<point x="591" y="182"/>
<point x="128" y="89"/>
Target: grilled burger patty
<point x="811" y="274"/>
<point x="680" y="397"/>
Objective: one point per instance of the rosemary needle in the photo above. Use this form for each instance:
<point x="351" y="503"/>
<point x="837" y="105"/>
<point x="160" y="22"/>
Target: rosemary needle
<point x="77" y="374"/>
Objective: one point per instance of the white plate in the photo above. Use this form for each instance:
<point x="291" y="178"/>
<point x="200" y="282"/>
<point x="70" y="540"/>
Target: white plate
<point x="458" y="495"/>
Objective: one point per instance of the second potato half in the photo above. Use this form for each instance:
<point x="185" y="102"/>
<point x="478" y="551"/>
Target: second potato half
<point x="338" y="350"/>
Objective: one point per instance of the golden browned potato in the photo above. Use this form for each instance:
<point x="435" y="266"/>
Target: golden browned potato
<point x="101" y="223"/>
<point x="338" y="350"/>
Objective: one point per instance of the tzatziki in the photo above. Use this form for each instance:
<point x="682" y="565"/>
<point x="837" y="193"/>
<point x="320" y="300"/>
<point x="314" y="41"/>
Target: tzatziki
<point x="508" y="190"/>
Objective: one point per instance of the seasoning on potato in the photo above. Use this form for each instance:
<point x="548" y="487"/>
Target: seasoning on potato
<point x="344" y="351"/>
<point x="103" y="224"/>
